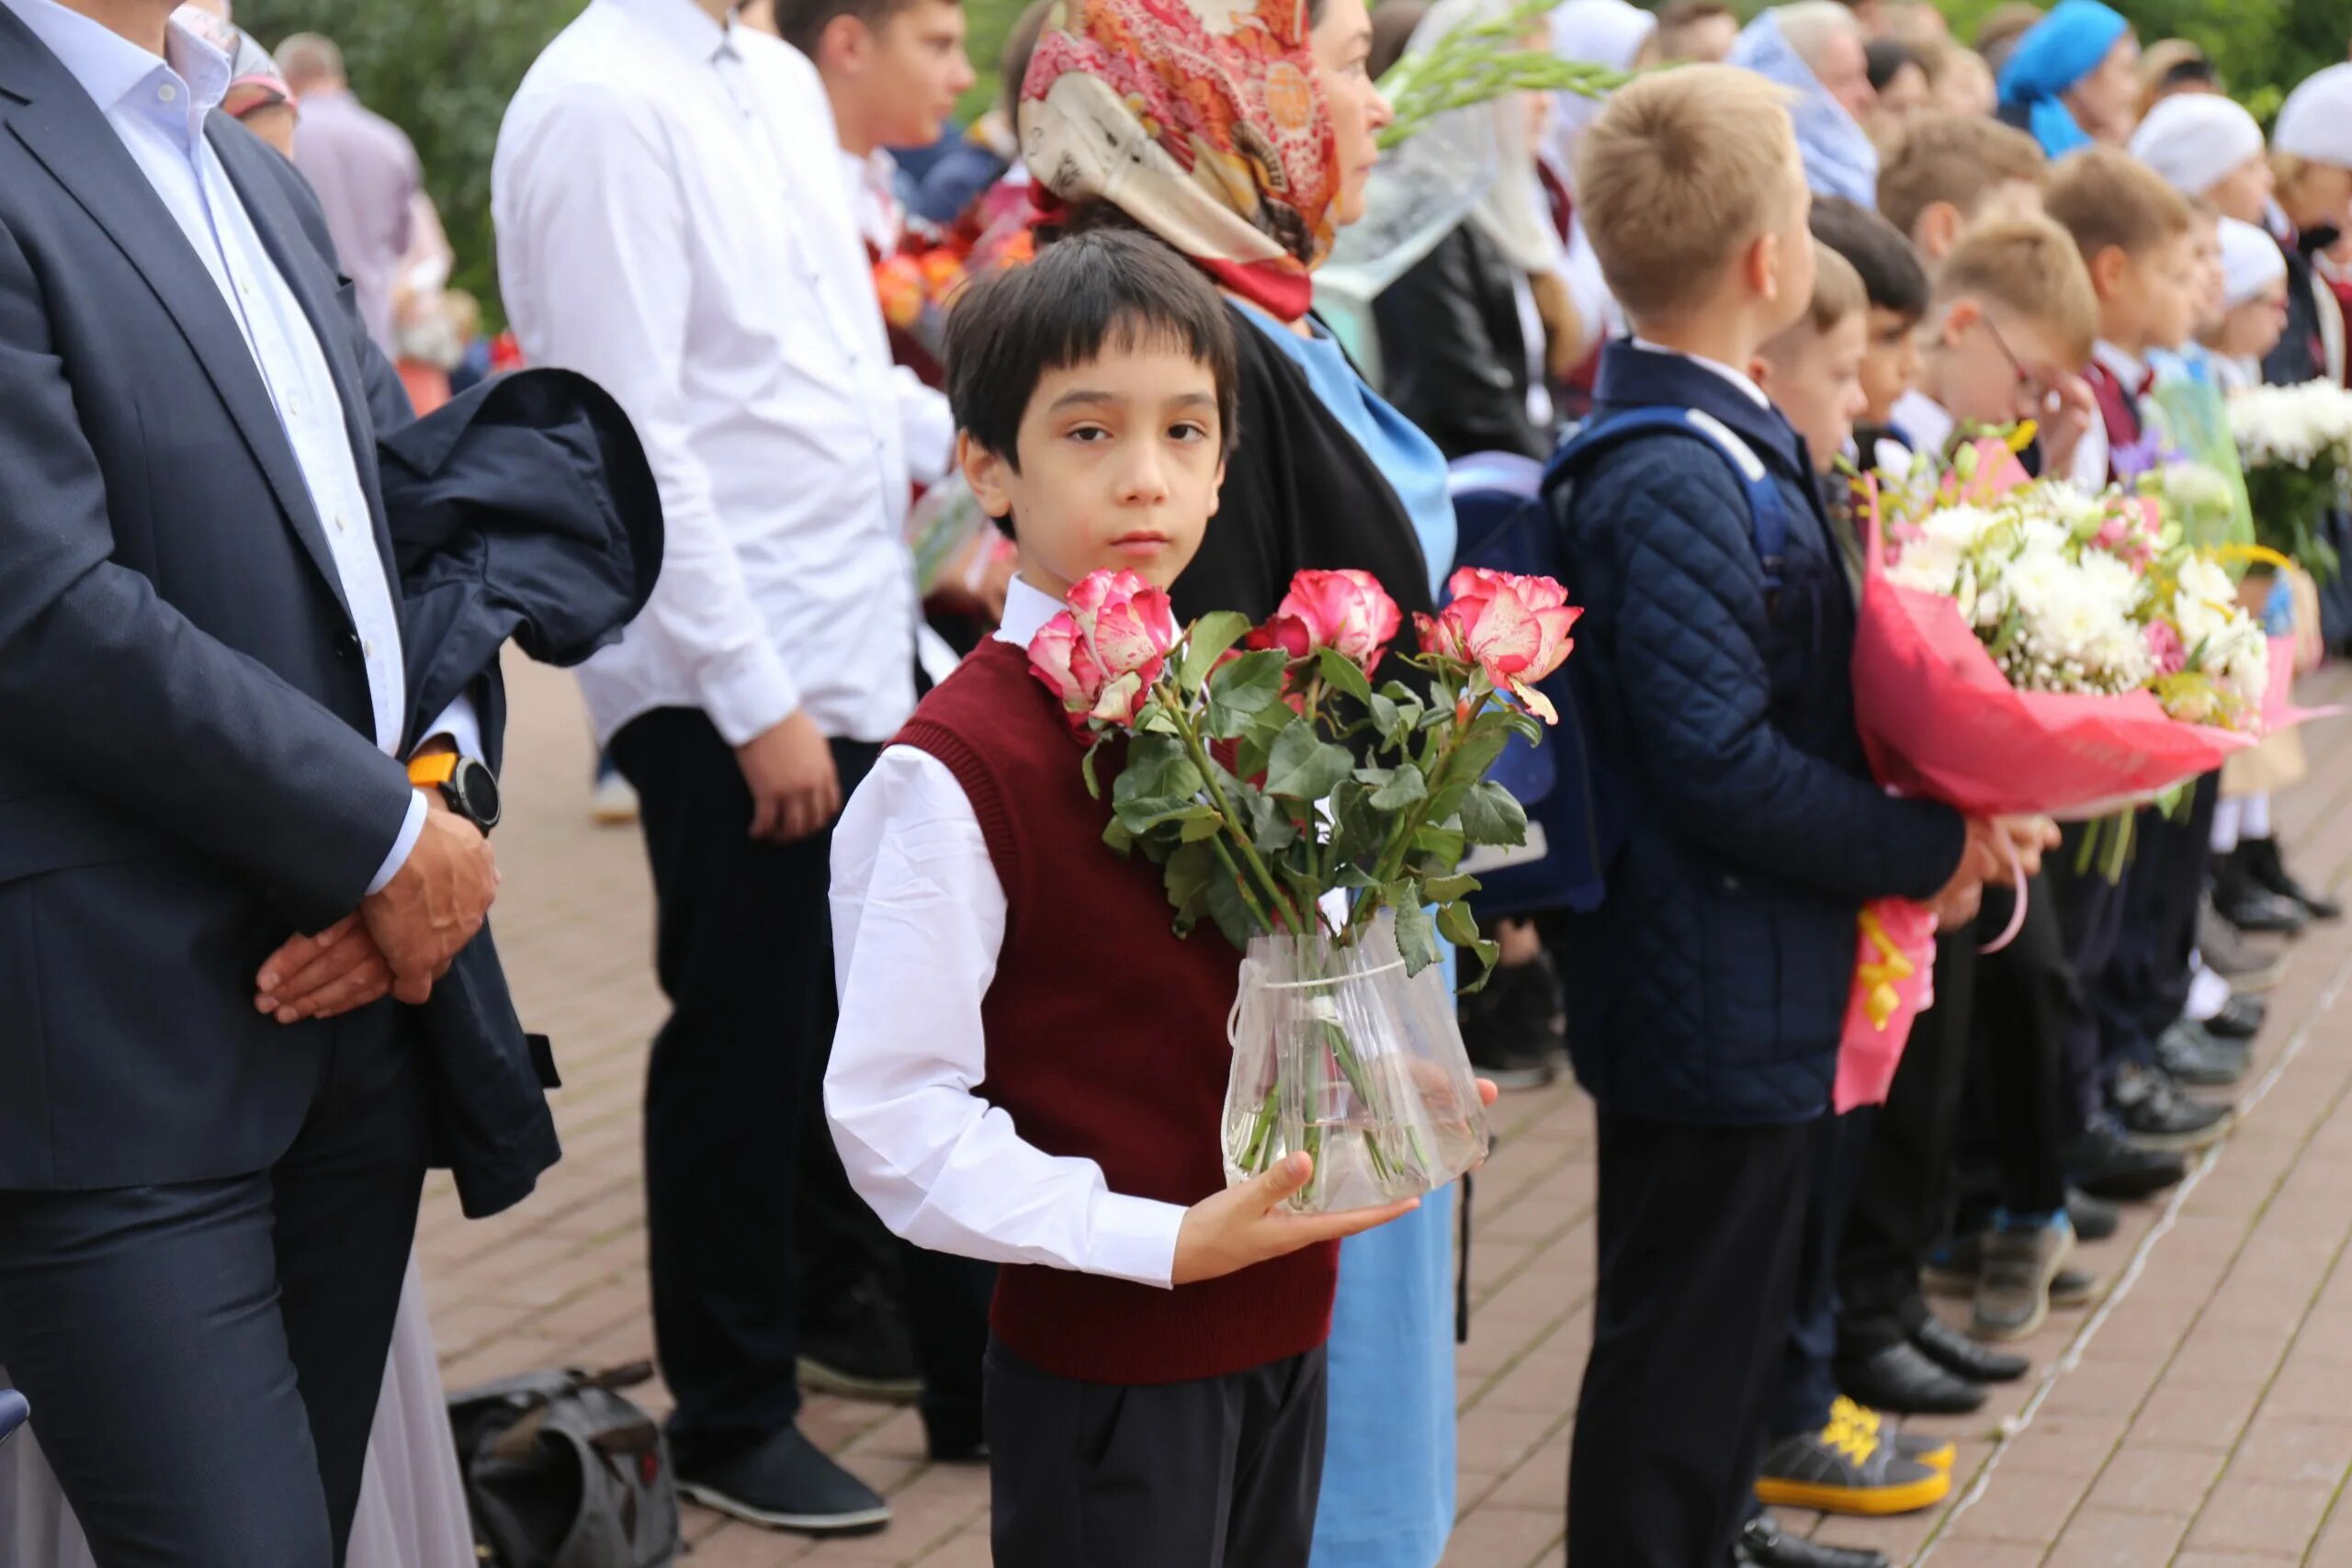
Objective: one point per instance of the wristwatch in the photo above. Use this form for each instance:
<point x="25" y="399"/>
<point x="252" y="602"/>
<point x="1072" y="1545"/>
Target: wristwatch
<point x="471" y="789"/>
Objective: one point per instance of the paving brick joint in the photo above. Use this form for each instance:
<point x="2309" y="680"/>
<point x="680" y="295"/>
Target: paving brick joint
<point x="2200" y="1417"/>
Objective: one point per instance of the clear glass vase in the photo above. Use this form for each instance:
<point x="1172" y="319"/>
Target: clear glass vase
<point x="1336" y="1051"/>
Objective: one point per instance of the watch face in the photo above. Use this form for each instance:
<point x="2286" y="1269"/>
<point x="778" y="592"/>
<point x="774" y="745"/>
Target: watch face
<point x="479" y="785"/>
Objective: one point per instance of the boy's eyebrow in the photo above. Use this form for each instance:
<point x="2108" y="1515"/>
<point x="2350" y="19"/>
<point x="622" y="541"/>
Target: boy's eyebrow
<point x="1078" y="396"/>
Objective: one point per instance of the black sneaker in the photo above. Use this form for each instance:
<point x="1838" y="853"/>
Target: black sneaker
<point x="857" y="1345"/>
<point x="1763" y="1545"/>
<point x="1847" y="1467"/>
<point x="2156" y="1115"/>
<point x="785" y="1483"/>
<point x="2195" y="1057"/>
<point x="2241" y="1018"/>
<point x="2013" y="1288"/>
<point x="2106" y="1164"/>
<point x="1507" y="1027"/>
<point x="2247" y="965"/>
<point x="2268" y="870"/>
<point x="2250" y="908"/>
<point x="2094" y="1219"/>
<point x="1963" y="1358"/>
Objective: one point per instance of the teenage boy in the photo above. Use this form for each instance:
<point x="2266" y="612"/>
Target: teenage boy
<point x="1155" y="1389"/>
<point x="1896" y="287"/>
<point x="1706" y="994"/>
<point x="2139" y="239"/>
<point x="672" y="222"/>
<point x="1948" y="170"/>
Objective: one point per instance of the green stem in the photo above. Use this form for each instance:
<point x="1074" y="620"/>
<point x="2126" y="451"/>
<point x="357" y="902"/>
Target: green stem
<point x="1400" y="844"/>
<point x="1276" y="897"/>
<point x="1225" y="857"/>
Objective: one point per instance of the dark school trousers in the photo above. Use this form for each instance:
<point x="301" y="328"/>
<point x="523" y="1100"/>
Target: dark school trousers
<point x="1808" y="1386"/>
<point x="2017" y="1091"/>
<point x="2146" y="982"/>
<point x="204" y="1359"/>
<point x="744" y="952"/>
<point x="2090" y="921"/>
<point x="1700" y="1230"/>
<point x="1215" y="1472"/>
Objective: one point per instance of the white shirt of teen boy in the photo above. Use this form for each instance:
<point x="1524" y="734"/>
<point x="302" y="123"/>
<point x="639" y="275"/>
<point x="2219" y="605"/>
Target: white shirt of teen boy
<point x="673" y="222"/>
<point x="2091" y="457"/>
<point x="919" y="920"/>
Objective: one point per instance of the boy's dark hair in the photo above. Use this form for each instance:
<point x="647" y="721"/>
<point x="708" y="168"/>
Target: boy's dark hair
<point x="803" y="22"/>
<point x="1096" y="291"/>
<point x="1892" y="273"/>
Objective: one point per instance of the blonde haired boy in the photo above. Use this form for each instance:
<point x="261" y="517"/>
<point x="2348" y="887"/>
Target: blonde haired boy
<point x="1948" y="170"/>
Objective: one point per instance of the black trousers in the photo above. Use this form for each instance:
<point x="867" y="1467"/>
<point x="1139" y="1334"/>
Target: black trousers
<point x="2017" y="1084"/>
<point x="2090" y="922"/>
<point x="2146" y="983"/>
<point x="1808" y="1385"/>
<point x="204" y="1359"/>
<point x="1218" y="1473"/>
<point x="733" y="1093"/>
<point x="1700" y="1230"/>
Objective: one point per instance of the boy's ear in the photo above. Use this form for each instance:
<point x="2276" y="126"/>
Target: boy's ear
<point x="1761" y="266"/>
<point x="845" y="43"/>
<point x="1216" y="493"/>
<point x="2106" y="270"/>
<point x="1963" y="314"/>
<point x="986" y="472"/>
<point x="1760" y="370"/>
<point x="1939" y="230"/>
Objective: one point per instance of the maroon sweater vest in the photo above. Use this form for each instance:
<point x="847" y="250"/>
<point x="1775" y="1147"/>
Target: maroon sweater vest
<point x="1105" y="1041"/>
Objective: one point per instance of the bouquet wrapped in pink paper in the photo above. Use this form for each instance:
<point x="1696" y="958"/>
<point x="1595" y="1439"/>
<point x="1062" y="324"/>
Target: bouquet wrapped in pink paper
<point x="1893" y="985"/>
<point x="1316" y="819"/>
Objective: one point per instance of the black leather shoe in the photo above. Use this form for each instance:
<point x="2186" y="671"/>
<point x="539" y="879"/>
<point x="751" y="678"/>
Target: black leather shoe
<point x="1764" y="1544"/>
<point x="2238" y="900"/>
<point x="2106" y="1164"/>
<point x="1900" y="1379"/>
<point x="2199" y="1059"/>
<point x="954" y="1436"/>
<point x="857" y="1345"/>
<point x="2156" y="1115"/>
<point x="2241" y="1018"/>
<point x="1963" y="1358"/>
<point x="2268" y="869"/>
<point x="785" y="1483"/>
<point x="2094" y="1219"/>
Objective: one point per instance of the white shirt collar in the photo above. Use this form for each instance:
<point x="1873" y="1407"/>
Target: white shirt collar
<point x="1026" y="609"/>
<point x="685" y="24"/>
<point x="1738" y="378"/>
<point x="2128" y="370"/>
<point x="110" y="67"/>
<point x="1927" y="422"/>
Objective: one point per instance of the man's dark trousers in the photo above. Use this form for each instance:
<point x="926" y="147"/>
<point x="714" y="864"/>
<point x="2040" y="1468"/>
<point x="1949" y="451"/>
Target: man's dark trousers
<point x="243" y="1323"/>
<point x="1699" y="1230"/>
<point x="744" y="952"/>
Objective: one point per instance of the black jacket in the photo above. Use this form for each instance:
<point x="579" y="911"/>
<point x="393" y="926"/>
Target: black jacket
<point x="1452" y="352"/>
<point x="523" y="510"/>
<point x="1299" y="493"/>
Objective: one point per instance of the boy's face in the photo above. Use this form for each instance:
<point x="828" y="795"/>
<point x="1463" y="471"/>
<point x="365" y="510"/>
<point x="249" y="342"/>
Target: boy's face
<point x="909" y="72"/>
<point x="1814" y="379"/>
<point x="1966" y="87"/>
<point x="1992" y="366"/>
<point x="2167" y="294"/>
<point x="1890" y="362"/>
<point x="2213" y="284"/>
<point x="1120" y="462"/>
<point x="2252" y="330"/>
<point x="2245" y="192"/>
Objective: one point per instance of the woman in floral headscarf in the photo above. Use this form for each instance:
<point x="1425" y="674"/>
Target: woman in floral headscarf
<point x="1241" y="135"/>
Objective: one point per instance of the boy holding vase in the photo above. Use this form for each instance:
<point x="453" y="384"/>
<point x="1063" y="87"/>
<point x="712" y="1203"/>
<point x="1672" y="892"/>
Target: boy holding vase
<point x="1031" y="1067"/>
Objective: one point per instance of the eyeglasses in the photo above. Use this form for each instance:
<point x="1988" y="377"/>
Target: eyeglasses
<point x="2032" y="385"/>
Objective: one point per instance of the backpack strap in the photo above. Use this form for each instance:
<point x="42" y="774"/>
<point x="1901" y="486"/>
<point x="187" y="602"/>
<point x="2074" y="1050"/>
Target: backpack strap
<point x="1768" y="517"/>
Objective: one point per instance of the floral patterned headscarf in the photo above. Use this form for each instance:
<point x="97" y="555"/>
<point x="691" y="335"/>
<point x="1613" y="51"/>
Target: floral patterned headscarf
<point x="1200" y="121"/>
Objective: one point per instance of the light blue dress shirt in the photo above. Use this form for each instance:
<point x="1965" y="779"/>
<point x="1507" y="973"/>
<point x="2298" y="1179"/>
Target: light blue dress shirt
<point x="158" y="108"/>
<point x="1388" y="1494"/>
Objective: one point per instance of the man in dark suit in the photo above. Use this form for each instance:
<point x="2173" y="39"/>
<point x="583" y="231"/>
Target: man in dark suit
<point x="212" y="1132"/>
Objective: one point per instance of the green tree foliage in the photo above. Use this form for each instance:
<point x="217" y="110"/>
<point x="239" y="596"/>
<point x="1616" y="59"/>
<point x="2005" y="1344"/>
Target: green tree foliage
<point x="2262" y="47"/>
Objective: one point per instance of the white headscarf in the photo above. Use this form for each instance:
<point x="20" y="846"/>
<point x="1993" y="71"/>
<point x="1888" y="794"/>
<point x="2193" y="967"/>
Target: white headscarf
<point x="2251" y="260"/>
<point x="2195" y="139"/>
<point x="2315" y="122"/>
<point x="1603" y="32"/>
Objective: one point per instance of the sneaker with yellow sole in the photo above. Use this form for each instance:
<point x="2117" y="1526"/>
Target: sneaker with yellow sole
<point x="1936" y="1453"/>
<point x="1847" y="1468"/>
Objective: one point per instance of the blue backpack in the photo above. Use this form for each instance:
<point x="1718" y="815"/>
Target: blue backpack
<point x="1503" y="508"/>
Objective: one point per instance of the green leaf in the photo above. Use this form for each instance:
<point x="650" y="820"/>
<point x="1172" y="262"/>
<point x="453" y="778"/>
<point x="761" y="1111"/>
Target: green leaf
<point x="1387" y="718"/>
<point x="1118" y="837"/>
<point x="1403" y="786"/>
<point x="1086" y="767"/>
<point x="1527" y="724"/>
<point x="1459" y="925"/>
<point x="1206" y="825"/>
<point x="1416" y="937"/>
<point x="1189" y="873"/>
<point x="1247" y="685"/>
<point x="1446" y="889"/>
<point x="1227" y="908"/>
<point x="1487" y="952"/>
<point x="1443" y="846"/>
<point x="1303" y="766"/>
<point x="1206" y="643"/>
<point x="1490" y="816"/>
<point x="1270" y="828"/>
<point x="1341" y="671"/>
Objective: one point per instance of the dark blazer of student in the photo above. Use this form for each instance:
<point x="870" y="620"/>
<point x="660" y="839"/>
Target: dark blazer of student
<point x="1454" y="349"/>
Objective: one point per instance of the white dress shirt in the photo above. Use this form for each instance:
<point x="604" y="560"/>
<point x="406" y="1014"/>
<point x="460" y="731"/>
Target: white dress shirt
<point x="1927" y="422"/>
<point x="672" y="221"/>
<point x="158" y="108"/>
<point x="2093" y="456"/>
<point x="918" y="922"/>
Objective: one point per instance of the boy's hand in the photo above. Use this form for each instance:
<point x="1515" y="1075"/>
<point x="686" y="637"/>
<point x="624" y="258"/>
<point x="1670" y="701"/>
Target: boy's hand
<point x="2068" y="410"/>
<point x="794" y="790"/>
<point x="2029" y="837"/>
<point x="1981" y="861"/>
<point x="1248" y="1224"/>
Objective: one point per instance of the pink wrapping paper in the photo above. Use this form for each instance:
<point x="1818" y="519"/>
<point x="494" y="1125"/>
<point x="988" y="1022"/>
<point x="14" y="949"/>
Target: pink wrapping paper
<point x="1894" y="984"/>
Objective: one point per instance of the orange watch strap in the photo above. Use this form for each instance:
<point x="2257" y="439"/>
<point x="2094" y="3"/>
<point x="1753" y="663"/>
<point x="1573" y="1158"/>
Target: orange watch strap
<point x="438" y="769"/>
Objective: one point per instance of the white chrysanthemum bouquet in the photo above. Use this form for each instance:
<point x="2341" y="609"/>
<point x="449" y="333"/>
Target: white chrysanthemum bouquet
<point x="2296" y="446"/>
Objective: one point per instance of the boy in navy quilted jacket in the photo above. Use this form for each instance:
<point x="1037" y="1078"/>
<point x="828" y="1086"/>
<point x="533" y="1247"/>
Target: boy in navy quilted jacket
<point x="1707" y="993"/>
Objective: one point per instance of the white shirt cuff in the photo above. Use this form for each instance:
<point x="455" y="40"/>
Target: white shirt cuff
<point x="1132" y="1238"/>
<point x="751" y="696"/>
<point x="461" y="725"/>
<point x="410" y="830"/>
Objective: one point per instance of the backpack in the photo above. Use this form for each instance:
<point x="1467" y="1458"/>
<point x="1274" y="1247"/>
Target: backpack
<point x="1503" y="507"/>
<point x="561" y="1471"/>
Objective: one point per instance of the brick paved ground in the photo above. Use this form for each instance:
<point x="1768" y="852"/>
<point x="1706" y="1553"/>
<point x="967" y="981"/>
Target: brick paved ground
<point x="2201" y="1418"/>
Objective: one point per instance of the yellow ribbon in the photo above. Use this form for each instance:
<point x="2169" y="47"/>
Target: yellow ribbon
<point x="1880" y="998"/>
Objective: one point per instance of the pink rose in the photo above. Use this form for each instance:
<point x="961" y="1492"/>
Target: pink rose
<point x="1100" y="656"/>
<point x="2164" y="646"/>
<point x="1346" y="611"/>
<point x="1515" y="629"/>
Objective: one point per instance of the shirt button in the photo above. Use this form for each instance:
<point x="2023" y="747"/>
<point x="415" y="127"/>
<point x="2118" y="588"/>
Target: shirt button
<point x="340" y="525"/>
<point x="294" y="407"/>
<point x="166" y="93"/>
<point x="367" y="648"/>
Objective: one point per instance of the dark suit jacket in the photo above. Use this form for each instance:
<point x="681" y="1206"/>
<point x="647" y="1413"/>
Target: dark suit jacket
<point x="1453" y="353"/>
<point x="188" y="773"/>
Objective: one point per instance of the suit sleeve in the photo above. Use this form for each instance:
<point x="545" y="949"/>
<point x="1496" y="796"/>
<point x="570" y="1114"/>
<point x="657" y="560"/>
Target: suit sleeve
<point x="1698" y="694"/>
<point x="1451" y="377"/>
<point x="115" y="691"/>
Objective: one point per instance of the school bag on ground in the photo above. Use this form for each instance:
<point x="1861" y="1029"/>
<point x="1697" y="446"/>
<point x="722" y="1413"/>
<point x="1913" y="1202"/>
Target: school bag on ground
<point x="563" y="1471"/>
<point x="1504" y="515"/>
